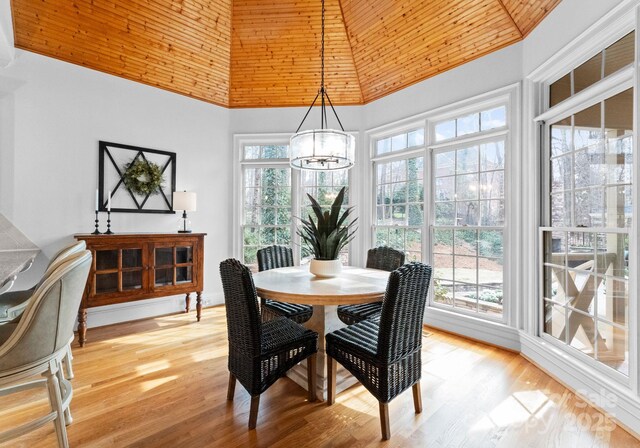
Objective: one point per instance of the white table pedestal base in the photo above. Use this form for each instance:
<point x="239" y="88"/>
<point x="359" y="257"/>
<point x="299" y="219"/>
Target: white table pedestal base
<point x="324" y="320"/>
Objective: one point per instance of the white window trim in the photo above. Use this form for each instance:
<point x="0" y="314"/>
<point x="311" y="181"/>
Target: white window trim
<point x="509" y="95"/>
<point x="605" y="32"/>
<point x="622" y="402"/>
<point x="239" y="142"/>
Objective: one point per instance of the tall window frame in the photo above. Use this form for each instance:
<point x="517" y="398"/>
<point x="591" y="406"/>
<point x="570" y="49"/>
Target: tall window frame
<point x="556" y="237"/>
<point x="297" y="186"/>
<point x="509" y="97"/>
<point x="481" y="287"/>
<point x="394" y="171"/>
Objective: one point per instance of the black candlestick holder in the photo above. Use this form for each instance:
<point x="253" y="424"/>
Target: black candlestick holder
<point x="108" y="232"/>
<point x="97" y="231"/>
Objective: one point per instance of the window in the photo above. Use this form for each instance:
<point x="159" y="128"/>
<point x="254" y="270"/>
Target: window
<point x="399" y="205"/>
<point x="469" y="205"/>
<point x="588" y="211"/>
<point x="399" y="142"/>
<point x="486" y="120"/>
<point x="586" y="247"/>
<point x="608" y="61"/>
<point x="272" y="195"/>
<point x="324" y="186"/>
<point x="266" y="198"/>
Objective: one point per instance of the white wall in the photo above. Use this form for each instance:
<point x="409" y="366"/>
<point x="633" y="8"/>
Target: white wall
<point x="52" y="115"/>
<point x="496" y="70"/>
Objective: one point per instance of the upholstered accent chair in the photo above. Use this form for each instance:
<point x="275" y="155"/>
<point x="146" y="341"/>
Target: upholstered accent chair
<point x="35" y="345"/>
<point x="13" y="304"/>
<point x="261" y="352"/>
<point x="385" y="259"/>
<point x="273" y="257"/>
<point x="385" y="354"/>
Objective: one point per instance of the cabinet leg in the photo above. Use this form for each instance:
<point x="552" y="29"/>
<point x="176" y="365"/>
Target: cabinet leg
<point x="187" y="303"/>
<point x="198" y="305"/>
<point x="82" y="326"/>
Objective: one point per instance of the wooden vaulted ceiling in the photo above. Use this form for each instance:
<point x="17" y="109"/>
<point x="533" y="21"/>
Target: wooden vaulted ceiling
<point x="265" y="53"/>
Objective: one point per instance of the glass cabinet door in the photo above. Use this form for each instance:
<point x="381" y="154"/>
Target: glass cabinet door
<point x="173" y="265"/>
<point x="118" y="270"/>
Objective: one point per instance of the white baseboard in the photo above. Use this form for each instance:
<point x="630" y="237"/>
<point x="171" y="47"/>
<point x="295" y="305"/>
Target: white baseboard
<point x="479" y="329"/>
<point x="142" y="309"/>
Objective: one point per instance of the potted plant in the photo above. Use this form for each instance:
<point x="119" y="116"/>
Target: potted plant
<point x="327" y="235"/>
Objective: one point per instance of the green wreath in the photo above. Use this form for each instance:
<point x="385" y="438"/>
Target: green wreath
<point x="143" y="177"/>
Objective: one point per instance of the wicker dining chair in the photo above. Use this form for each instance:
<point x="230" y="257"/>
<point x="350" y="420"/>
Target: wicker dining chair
<point x="385" y="259"/>
<point x="384" y="355"/>
<point x="261" y="352"/>
<point x="273" y="257"/>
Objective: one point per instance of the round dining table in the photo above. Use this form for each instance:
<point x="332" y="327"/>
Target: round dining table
<point x="297" y="285"/>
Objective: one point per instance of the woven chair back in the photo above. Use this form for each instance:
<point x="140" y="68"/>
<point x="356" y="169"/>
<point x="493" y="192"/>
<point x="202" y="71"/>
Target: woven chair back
<point x="241" y="304"/>
<point x="273" y="257"/>
<point x="384" y="258"/>
<point x="402" y="311"/>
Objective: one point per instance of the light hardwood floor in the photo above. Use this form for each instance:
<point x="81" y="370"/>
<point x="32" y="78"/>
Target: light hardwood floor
<point x="162" y="383"/>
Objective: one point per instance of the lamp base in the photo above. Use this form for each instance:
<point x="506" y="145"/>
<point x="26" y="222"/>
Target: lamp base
<point x="184" y="231"/>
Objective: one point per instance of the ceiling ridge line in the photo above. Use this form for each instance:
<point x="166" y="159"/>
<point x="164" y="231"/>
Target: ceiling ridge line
<point x="504" y="8"/>
<point x="353" y="59"/>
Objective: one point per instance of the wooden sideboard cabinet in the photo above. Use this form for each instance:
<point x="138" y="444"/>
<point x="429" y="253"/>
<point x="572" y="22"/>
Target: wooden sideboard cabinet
<point x="136" y="266"/>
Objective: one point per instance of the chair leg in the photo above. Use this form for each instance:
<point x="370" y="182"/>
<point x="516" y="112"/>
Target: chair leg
<point x="253" y="413"/>
<point x="417" y="398"/>
<point x="384" y="421"/>
<point x="332" y="368"/>
<point x="55" y="399"/>
<point x="65" y="391"/>
<point x="67" y="363"/>
<point x="311" y="376"/>
<point x="231" y="389"/>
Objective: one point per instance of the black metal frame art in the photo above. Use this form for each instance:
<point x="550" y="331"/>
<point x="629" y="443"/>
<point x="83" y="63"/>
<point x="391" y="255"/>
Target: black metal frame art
<point x="139" y="153"/>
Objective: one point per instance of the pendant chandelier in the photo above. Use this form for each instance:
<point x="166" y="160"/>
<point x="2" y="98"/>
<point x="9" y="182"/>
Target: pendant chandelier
<point x="322" y="149"/>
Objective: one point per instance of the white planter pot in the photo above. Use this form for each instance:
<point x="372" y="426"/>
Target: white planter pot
<point x="325" y="268"/>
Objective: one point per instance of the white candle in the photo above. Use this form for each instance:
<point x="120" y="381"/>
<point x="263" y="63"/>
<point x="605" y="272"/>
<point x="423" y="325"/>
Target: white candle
<point x="97" y="202"/>
<point x="109" y="202"/>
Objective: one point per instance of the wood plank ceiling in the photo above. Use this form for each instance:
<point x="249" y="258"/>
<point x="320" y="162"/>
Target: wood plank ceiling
<point x="266" y="53"/>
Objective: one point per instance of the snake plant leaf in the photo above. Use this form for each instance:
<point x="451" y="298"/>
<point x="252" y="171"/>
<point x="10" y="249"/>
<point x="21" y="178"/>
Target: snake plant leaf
<point x="330" y="231"/>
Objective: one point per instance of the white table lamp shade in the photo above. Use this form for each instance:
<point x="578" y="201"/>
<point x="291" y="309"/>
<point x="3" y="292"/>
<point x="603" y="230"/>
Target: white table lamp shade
<point x="184" y="200"/>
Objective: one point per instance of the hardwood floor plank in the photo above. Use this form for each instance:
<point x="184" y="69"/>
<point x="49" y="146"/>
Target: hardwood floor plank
<point x="163" y="382"/>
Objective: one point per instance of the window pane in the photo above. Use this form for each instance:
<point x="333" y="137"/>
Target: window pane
<point x="493" y="118"/>
<point x="466" y="242"/>
<point x="251" y="152"/>
<point x="384" y="146"/>
<point x="492" y="213"/>
<point x="492" y="156"/>
<point x="416" y="138"/>
<point x="467" y="160"/>
<point x="492" y="185"/>
<point x="560" y="90"/>
<point x="468" y="124"/>
<point x="588" y="130"/>
<point x="445" y="163"/>
<point x="561" y="137"/>
<point x="445" y="213"/>
<point x="398" y="142"/>
<point x="467" y="213"/>
<point x="561" y="205"/>
<point x="613" y="347"/>
<point x="445" y="188"/>
<point x="445" y="130"/>
<point x="588" y="73"/>
<point x="620" y="54"/>
<point x="467" y="186"/>
<point x="554" y="320"/>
